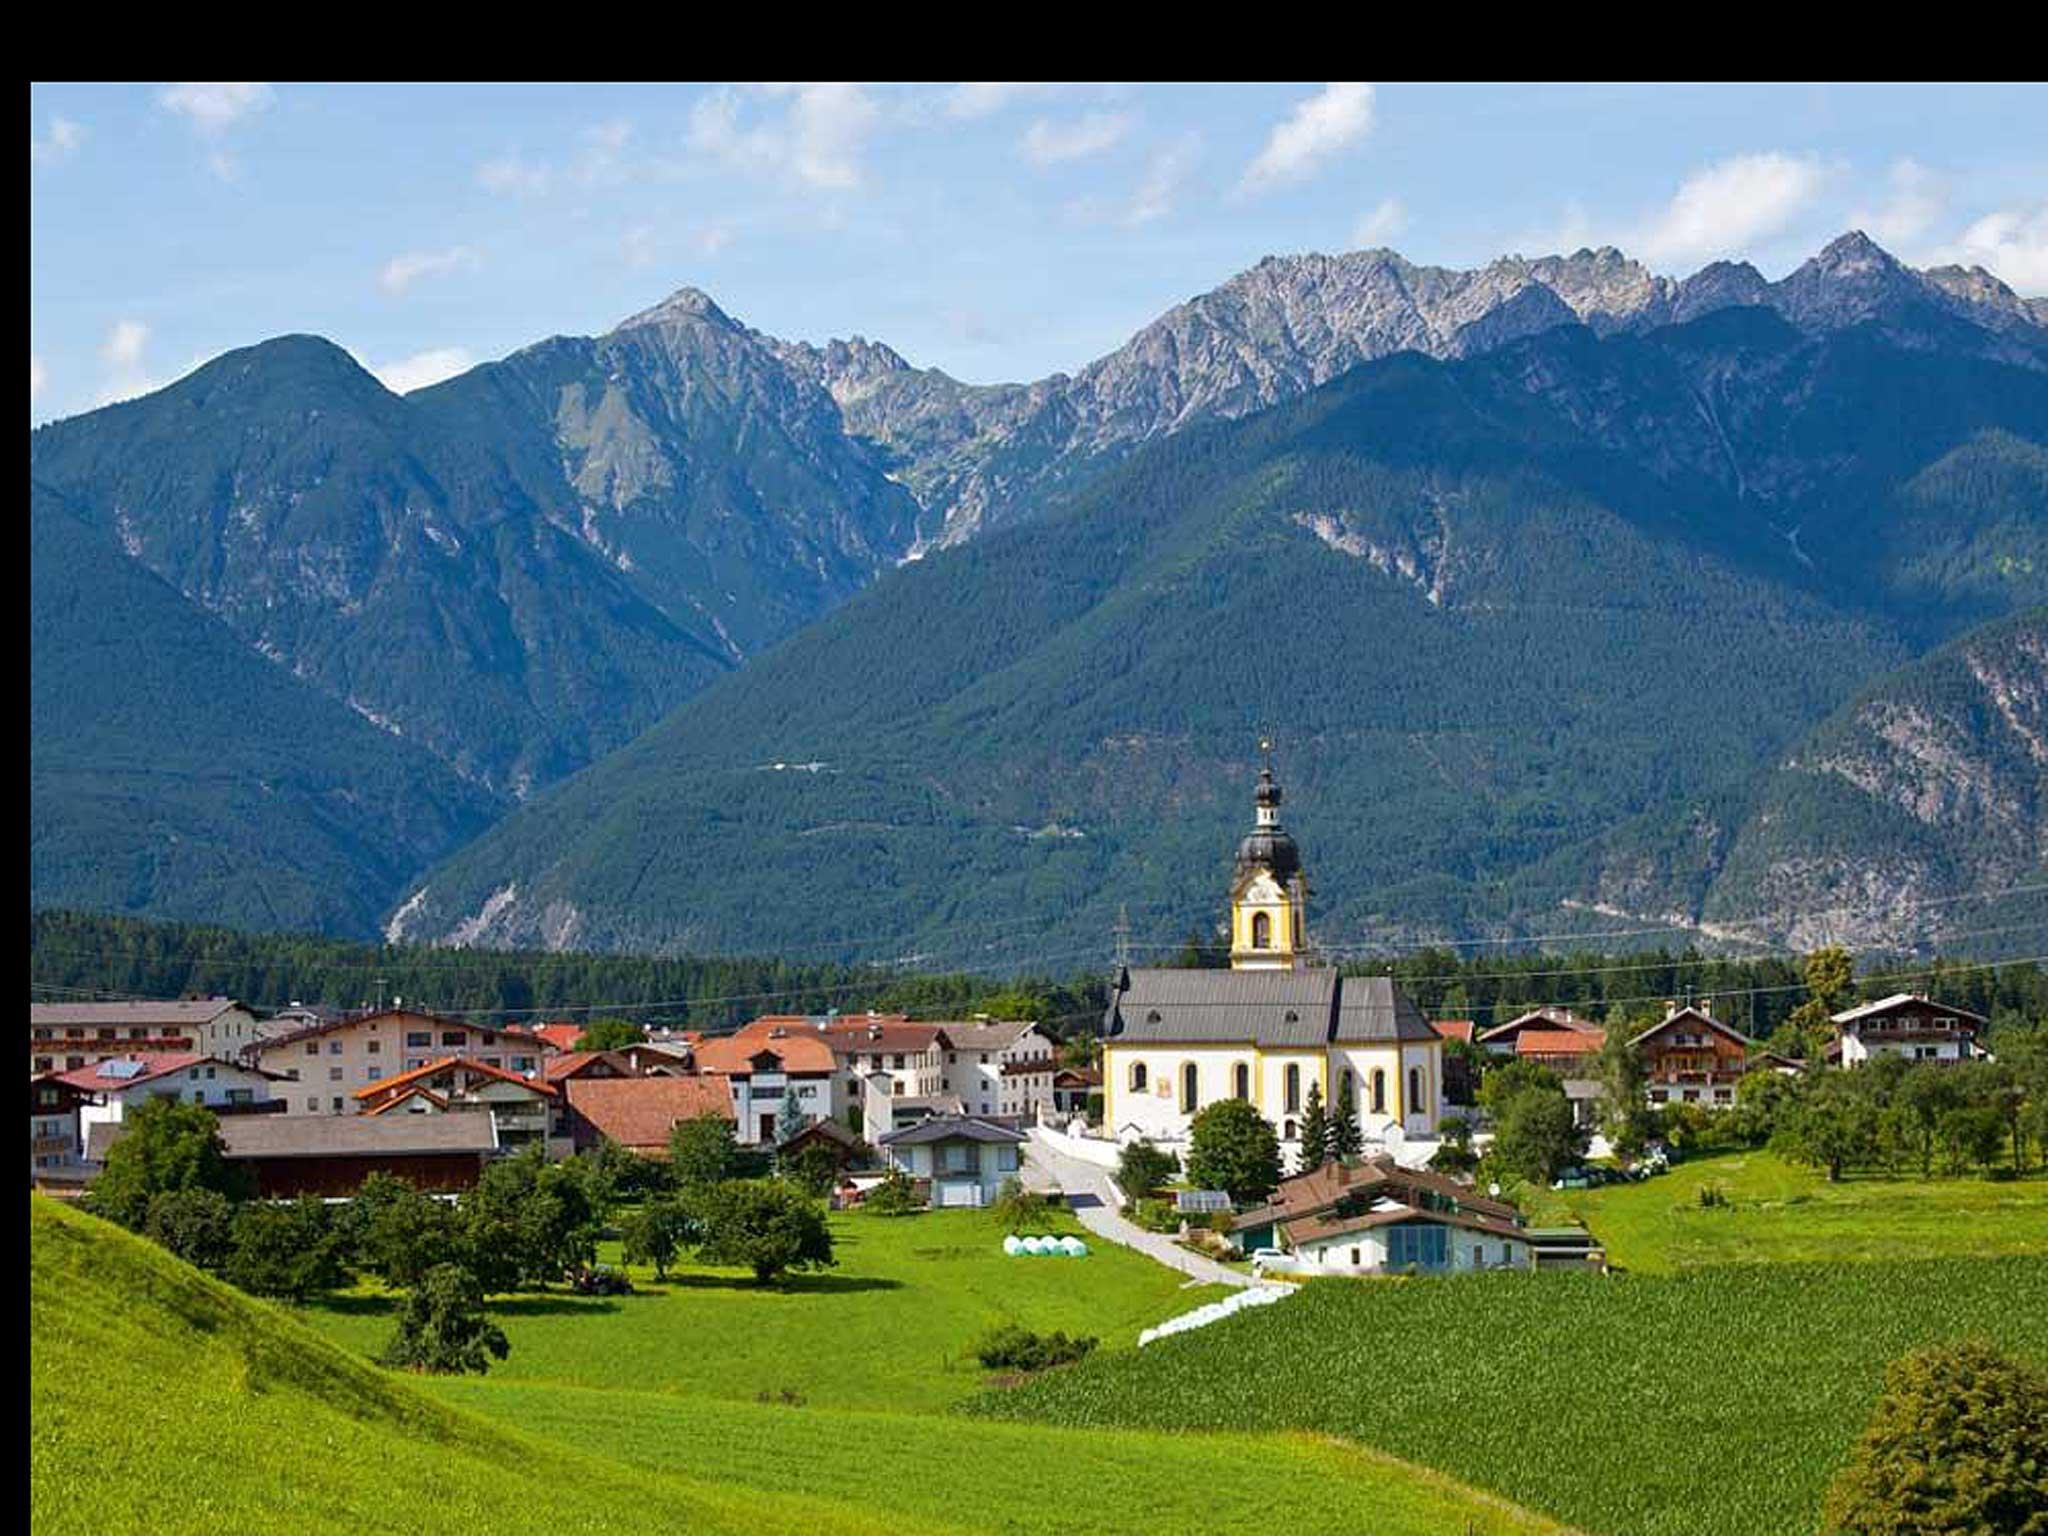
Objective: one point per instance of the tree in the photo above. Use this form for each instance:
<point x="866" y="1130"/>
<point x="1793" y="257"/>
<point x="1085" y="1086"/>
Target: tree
<point x="290" y="1249"/>
<point x="702" y="1151"/>
<point x="1232" y="1147"/>
<point x="896" y="1195"/>
<point x="1972" y="1134"/>
<point x="763" y="1225"/>
<point x="1534" y="1136"/>
<point x="1020" y="1210"/>
<point x="198" y="1225"/>
<point x="1958" y="1446"/>
<point x="1624" y="1111"/>
<point x="1344" y="1140"/>
<point x="1922" y="1098"/>
<point x="657" y="1232"/>
<point x="166" y="1146"/>
<point x="1455" y="1156"/>
<point x="1142" y="1168"/>
<point x="398" y="1232"/>
<point x="1833" y="1126"/>
<point x="442" y="1328"/>
<point x="813" y="1169"/>
<point x="1830" y="983"/>
<point x="609" y="1035"/>
<point x="528" y="1222"/>
<point x="1315" y="1130"/>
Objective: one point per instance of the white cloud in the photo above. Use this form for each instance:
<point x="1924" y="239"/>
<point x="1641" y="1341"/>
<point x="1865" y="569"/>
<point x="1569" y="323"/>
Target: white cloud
<point x="1380" y="225"/>
<point x="1164" y="175"/>
<point x="402" y="271"/>
<point x="1320" y="126"/>
<point x="513" y="176"/>
<point x="816" y="139"/>
<point x="2011" y="243"/>
<point x="38" y="378"/>
<point x="984" y="98"/>
<point x="1047" y="142"/>
<point x="1915" y="200"/>
<point x="1726" y="208"/>
<point x="214" y="106"/>
<point x="423" y="368"/>
<point x="121" y="355"/>
<point x="60" y="143"/>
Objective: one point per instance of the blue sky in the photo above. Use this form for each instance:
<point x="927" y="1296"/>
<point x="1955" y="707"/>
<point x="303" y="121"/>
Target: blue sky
<point x="995" y="231"/>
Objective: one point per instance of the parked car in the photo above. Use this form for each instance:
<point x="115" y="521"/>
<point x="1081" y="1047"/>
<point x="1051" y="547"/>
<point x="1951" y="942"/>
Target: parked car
<point x="1272" y="1261"/>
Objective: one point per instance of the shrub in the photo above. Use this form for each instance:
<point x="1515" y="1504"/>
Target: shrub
<point x="442" y="1328"/>
<point x="1142" y="1168"/>
<point x="1020" y="1209"/>
<point x="896" y="1195"/>
<point x="198" y="1225"/>
<point x="1712" y="1195"/>
<point x="1012" y="1347"/>
<point x="1155" y="1215"/>
<point x="1958" y="1446"/>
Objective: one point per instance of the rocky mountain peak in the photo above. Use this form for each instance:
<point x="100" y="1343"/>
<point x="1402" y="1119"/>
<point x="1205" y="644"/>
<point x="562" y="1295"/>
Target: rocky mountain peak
<point x="684" y="306"/>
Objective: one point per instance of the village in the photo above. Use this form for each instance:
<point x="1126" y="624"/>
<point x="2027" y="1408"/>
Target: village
<point x="1350" y="1125"/>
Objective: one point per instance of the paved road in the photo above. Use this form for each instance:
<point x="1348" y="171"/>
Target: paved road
<point x="1091" y="1198"/>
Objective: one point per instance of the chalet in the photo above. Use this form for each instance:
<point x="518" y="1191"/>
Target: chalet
<point x="330" y="1062"/>
<point x="587" y="1064"/>
<point x="1073" y="1087"/>
<point x="1907" y="1025"/>
<point x="778" y="1079"/>
<point x="1574" y="1055"/>
<point x="1693" y="1058"/>
<point x="66" y="1036"/>
<point x="845" y="1148"/>
<point x="120" y="1084"/>
<point x="963" y="1159"/>
<point x="1374" y="1216"/>
<point x="56" y="1134"/>
<point x="292" y="1155"/>
<point x="520" y="1108"/>
<point x="862" y="1044"/>
<point x="638" y="1113"/>
<point x="998" y="1067"/>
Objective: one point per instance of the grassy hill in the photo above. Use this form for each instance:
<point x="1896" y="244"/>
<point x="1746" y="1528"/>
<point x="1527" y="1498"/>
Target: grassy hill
<point x="163" y="1400"/>
<point x="1715" y="1402"/>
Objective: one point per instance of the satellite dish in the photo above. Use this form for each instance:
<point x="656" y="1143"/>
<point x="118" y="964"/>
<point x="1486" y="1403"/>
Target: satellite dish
<point x="1493" y="1190"/>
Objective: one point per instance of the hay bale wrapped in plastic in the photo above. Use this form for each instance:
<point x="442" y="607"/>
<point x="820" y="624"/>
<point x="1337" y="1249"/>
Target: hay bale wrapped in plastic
<point x="1073" y="1247"/>
<point x="1013" y="1245"/>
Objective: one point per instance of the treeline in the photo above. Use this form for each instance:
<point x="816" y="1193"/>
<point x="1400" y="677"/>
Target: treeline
<point x="76" y="955"/>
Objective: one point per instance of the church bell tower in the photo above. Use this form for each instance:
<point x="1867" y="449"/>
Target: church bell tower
<point x="1267" y="892"/>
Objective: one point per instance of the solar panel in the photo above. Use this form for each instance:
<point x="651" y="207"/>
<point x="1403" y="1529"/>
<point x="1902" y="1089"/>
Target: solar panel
<point x="119" y="1069"/>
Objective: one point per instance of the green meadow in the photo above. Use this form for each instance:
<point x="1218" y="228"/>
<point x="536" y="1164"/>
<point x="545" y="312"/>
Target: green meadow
<point x="1777" y="1212"/>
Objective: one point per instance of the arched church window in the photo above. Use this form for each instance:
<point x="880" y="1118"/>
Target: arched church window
<point x="1414" y="1090"/>
<point x="1137" y="1077"/>
<point x="1241" y="1080"/>
<point x="1379" y="1091"/>
<point x="1190" y="1088"/>
<point x="1262" y="930"/>
<point x="1293" y="1087"/>
<point x="1289" y="1131"/>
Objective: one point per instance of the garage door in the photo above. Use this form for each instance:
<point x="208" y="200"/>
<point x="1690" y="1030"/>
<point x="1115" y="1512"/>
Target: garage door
<point x="959" y="1193"/>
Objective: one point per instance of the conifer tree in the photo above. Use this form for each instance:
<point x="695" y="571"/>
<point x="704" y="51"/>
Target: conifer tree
<point x="1315" y="1131"/>
<point x="1345" y="1139"/>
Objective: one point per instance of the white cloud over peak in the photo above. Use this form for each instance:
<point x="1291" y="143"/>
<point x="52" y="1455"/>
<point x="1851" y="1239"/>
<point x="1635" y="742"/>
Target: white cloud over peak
<point x="1722" y="210"/>
<point x="1165" y="173"/>
<point x="60" y="143"/>
<point x="402" y="271"/>
<point x="813" y="134"/>
<point x="1915" y="199"/>
<point x="1321" y="126"/>
<point x="1379" y="226"/>
<point x="121" y="355"/>
<point x="1047" y="142"/>
<point x="38" y="378"/>
<point x="422" y="368"/>
<point x="2011" y="244"/>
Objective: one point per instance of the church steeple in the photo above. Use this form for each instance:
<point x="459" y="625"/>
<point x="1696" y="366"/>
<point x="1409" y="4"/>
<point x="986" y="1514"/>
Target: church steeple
<point x="1267" y="892"/>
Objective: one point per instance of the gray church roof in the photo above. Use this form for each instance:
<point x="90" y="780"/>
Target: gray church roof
<point x="1269" y="1009"/>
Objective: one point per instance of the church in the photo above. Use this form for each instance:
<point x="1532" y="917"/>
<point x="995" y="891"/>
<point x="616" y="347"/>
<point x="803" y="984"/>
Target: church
<point x="1271" y="1025"/>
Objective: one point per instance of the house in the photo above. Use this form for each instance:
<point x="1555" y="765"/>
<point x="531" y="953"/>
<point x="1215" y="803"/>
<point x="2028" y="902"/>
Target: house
<point x="1693" y="1058"/>
<point x="1502" y="1038"/>
<point x="845" y="1148"/>
<point x="118" y="1085"/>
<point x="521" y="1108"/>
<point x="1461" y="1084"/>
<point x="1271" y="1025"/>
<point x="560" y="1036"/>
<point x="1908" y="1025"/>
<point x="329" y="1062"/>
<point x="56" y="1135"/>
<point x="863" y="1044"/>
<point x="587" y="1064"/>
<point x="997" y="1066"/>
<point x="1374" y="1216"/>
<point x="329" y="1156"/>
<point x="638" y="1113"/>
<point x="963" y="1159"/>
<point x="66" y="1036"/>
<point x="778" y="1079"/>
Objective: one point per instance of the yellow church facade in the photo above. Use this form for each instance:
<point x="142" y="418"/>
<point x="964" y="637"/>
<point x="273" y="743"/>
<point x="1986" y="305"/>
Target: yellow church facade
<point x="1269" y="1027"/>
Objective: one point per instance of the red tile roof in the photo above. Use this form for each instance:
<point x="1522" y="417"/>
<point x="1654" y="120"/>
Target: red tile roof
<point x="562" y="1037"/>
<point x="151" y="1066"/>
<point x="639" y="1112"/>
<point x="1560" y="1042"/>
<point x="1453" y="1029"/>
<point x="734" y="1055"/>
<point x="433" y="1069"/>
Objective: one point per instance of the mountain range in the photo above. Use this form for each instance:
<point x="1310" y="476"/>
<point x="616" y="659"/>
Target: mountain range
<point x="1549" y="577"/>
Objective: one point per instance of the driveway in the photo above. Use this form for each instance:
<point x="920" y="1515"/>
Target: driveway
<point x="1091" y="1197"/>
